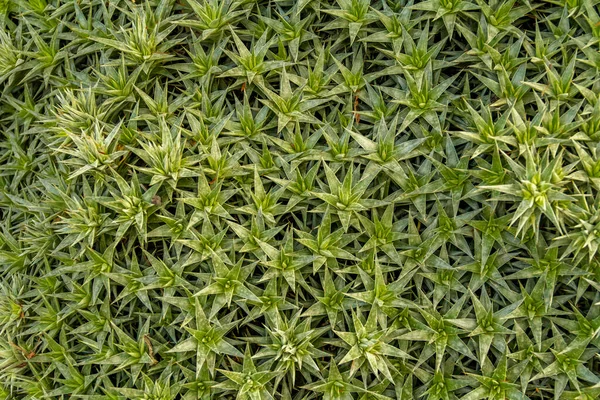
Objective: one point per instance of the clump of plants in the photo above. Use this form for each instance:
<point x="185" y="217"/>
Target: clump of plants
<point x="297" y="200"/>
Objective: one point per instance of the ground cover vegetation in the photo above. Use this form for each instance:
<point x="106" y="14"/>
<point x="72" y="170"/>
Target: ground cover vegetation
<point x="310" y="199"/>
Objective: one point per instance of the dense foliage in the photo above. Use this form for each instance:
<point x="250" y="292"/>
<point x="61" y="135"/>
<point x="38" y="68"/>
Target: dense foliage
<point x="310" y="199"/>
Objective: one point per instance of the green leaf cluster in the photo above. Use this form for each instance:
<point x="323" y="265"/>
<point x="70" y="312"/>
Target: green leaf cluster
<point x="300" y="199"/>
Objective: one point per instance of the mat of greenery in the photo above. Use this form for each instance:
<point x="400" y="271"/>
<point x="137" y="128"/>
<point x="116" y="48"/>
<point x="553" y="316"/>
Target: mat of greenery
<point x="297" y="200"/>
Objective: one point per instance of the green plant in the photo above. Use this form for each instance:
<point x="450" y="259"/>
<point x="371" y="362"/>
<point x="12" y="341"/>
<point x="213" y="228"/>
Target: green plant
<point x="299" y="200"/>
